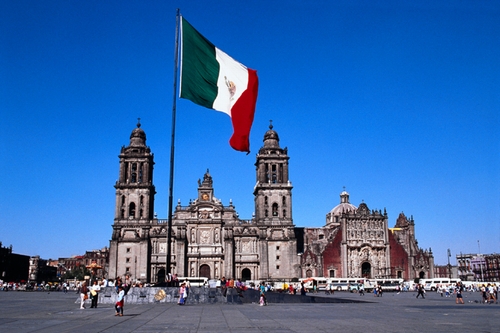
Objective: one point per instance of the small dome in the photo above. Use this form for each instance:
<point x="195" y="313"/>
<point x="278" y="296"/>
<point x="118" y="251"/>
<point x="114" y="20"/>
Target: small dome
<point x="138" y="136"/>
<point x="271" y="138"/>
<point x="344" y="206"/>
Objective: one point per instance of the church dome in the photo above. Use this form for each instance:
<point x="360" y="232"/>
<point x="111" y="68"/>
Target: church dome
<point x="344" y="206"/>
<point x="138" y="137"/>
<point x="271" y="138"/>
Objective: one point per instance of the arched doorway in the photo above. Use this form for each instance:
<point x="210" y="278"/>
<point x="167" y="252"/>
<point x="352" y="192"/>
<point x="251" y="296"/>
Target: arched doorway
<point x="246" y="274"/>
<point x="205" y="271"/>
<point x="421" y="275"/>
<point x="309" y="273"/>
<point x="161" y="275"/>
<point x="366" y="270"/>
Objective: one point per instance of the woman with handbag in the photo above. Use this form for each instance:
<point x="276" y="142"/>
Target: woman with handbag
<point x="83" y="295"/>
<point x="94" y="294"/>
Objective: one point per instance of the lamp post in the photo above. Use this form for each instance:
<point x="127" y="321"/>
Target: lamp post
<point x="449" y="266"/>
<point x="481" y="260"/>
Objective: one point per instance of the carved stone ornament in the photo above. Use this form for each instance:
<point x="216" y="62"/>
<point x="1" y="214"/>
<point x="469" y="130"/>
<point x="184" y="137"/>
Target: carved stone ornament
<point x="204" y="237"/>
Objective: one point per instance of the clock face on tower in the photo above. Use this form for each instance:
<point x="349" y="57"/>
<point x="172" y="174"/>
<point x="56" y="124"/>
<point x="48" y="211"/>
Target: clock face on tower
<point x="204" y="196"/>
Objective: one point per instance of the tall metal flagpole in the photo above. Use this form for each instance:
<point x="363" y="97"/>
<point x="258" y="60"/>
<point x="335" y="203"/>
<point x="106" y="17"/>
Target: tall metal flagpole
<point x="172" y="146"/>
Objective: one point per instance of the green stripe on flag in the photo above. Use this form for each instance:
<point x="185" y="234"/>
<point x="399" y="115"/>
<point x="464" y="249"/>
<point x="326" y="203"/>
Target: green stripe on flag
<point x="200" y="69"/>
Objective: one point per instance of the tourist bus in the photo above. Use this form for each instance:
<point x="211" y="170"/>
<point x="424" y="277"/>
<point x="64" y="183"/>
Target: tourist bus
<point x="195" y="281"/>
<point x="434" y="284"/>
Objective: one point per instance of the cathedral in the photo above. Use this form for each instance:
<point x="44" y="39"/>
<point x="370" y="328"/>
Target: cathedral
<point x="209" y="239"/>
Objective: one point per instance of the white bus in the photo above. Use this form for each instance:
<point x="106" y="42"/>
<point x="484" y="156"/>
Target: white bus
<point x="434" y="284"/>
<point x="195" y="281"/>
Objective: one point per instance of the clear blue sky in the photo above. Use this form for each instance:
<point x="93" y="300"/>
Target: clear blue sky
<point x="398" y="102"/>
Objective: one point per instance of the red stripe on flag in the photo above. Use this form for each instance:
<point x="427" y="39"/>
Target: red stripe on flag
<point x="242" y="114"/>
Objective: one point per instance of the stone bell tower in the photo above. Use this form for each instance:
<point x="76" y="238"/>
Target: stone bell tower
<point x="273" y="209"/>
<point x="134" y="209"/>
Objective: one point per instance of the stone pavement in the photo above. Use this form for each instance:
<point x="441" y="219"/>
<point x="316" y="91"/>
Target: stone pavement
<point x="57" y="312"/>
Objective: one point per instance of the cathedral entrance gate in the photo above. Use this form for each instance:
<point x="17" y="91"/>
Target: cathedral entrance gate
<point x="366" y="270"/>
<point x="205" y="271"/>
<point x="161" y="275"/>
<point x="246" y="274"/>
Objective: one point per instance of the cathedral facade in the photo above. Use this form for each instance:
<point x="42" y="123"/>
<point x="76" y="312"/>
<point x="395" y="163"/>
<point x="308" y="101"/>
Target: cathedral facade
<point x="209" y="239"/>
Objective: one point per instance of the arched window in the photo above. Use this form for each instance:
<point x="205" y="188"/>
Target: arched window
<point x="265" y="200"/>
<point x="284" y="212"/>
<point x="134" y="172"/>
<point x="131" y="210"/>
<point x="274" y="176"/>
<point x="275" y="209"/>
<point x="140" y="173"/>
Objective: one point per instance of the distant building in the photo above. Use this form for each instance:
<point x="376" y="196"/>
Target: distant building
<point x="479" y="267"/>
<point x="40" y="270"/>
<point x="210" y="240"/>
<point x="445" y="271"/>
<point x="13" y="267"/>
<point x="100" y="257"/>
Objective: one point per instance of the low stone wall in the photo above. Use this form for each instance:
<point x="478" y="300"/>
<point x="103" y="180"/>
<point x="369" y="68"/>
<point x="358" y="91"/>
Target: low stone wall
<point x="208" y="296"/>
<point x="146" y="295"/>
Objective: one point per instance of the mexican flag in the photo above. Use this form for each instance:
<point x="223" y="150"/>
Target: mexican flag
<point x="211" y="78"/>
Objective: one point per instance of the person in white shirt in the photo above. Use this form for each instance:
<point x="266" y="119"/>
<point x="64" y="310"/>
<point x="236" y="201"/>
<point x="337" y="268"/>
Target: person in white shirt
<point x="94" y="294"/>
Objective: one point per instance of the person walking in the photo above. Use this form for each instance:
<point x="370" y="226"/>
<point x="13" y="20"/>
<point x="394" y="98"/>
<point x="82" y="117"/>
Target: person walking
<point x="263" y="299"/>
<point x="459" y="299"/>
<point x="120" y="301"/>
<point x="83" y="295"/>
<point x="182" y="294"/>
<point x="421" y="291"/>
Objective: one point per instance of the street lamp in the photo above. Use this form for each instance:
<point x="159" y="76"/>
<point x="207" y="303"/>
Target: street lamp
<point x="449" y="266"/>
<point x="481" y="260"/>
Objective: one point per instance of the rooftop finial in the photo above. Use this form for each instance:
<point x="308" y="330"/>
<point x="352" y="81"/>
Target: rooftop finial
<point x="270" y="124"/>
<point x="138" y="122"/>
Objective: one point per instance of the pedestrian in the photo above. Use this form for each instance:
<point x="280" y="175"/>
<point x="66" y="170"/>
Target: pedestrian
<point x="94" y="294"/>
<point x="459" y="298"/>
<point x="182" y="294"/>
<point x="239" y="287"/>
<point x="361" y="290"/>
<point x="223" y="286"/>
<point x="421" y="291"/>
<point x="120" y="301"/>
<point x="302" y="289"/>
<point x="188" y="287"/>
<point x="263" y="299"/>
<point x="379" y="291"/>
<point x="83" y="295"/>
<point x="118" y="283"/>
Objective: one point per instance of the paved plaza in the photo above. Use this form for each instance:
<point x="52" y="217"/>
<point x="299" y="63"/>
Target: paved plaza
<point x="58" y="312"/>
